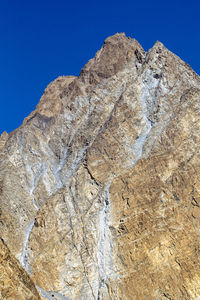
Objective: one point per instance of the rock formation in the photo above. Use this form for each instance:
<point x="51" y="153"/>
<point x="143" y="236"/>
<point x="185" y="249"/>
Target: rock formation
<point x="14" y="281"/>
<point x="99" y="187"/>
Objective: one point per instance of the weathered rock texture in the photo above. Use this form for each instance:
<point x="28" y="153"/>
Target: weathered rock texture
<point x="100" y="188"/>
<point x="14" y="281"/>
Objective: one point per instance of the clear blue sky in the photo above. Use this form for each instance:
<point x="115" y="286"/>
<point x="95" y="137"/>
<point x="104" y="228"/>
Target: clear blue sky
<point x="40" y="40"/>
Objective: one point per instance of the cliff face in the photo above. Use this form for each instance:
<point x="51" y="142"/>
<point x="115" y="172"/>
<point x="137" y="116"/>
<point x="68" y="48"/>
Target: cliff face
<point x="99" y="187"/>
<point x="14" y="281"/>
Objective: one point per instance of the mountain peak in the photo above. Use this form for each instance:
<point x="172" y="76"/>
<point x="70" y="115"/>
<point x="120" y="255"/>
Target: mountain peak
<point x="99" y="187"/>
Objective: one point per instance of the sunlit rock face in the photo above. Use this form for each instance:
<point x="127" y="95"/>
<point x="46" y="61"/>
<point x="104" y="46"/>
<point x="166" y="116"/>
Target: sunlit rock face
<point x="14" y="281"/>
<point x="99" y="187"/>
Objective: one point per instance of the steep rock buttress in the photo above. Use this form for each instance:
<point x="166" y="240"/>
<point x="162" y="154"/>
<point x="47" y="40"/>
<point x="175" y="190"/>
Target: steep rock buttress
<point x="99" y="187"/>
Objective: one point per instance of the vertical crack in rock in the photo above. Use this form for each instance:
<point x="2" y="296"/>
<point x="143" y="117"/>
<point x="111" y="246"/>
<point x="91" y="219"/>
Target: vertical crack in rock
<point x="105" y="247"/>
<point x="33" y="201"/>
<point x="34" y="181"/>
<point x="72" y="207"/>
<point x="146" y="126"/>
<point x="57" y="175"/>
<point x="33" y="198"/>
<point x="141" y="140"/>
<point x="24" y="257"/>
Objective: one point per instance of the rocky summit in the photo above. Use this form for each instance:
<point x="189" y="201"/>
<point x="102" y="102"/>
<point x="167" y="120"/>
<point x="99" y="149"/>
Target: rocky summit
<point x="100" y="187"/>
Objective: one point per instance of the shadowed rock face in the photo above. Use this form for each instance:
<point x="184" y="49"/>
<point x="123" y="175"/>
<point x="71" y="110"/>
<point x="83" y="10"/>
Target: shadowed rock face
<point x="99" y="187"/>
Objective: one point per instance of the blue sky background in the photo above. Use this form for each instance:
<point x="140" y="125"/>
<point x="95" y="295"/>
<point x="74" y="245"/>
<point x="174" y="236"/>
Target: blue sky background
<point x="40" y="40"/>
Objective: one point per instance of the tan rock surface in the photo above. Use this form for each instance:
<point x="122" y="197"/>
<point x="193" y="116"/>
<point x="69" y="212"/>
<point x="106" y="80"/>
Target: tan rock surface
<point x="99" y="186"/>
<point x="3" y="139"/>
<point x="14" y="281"/>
